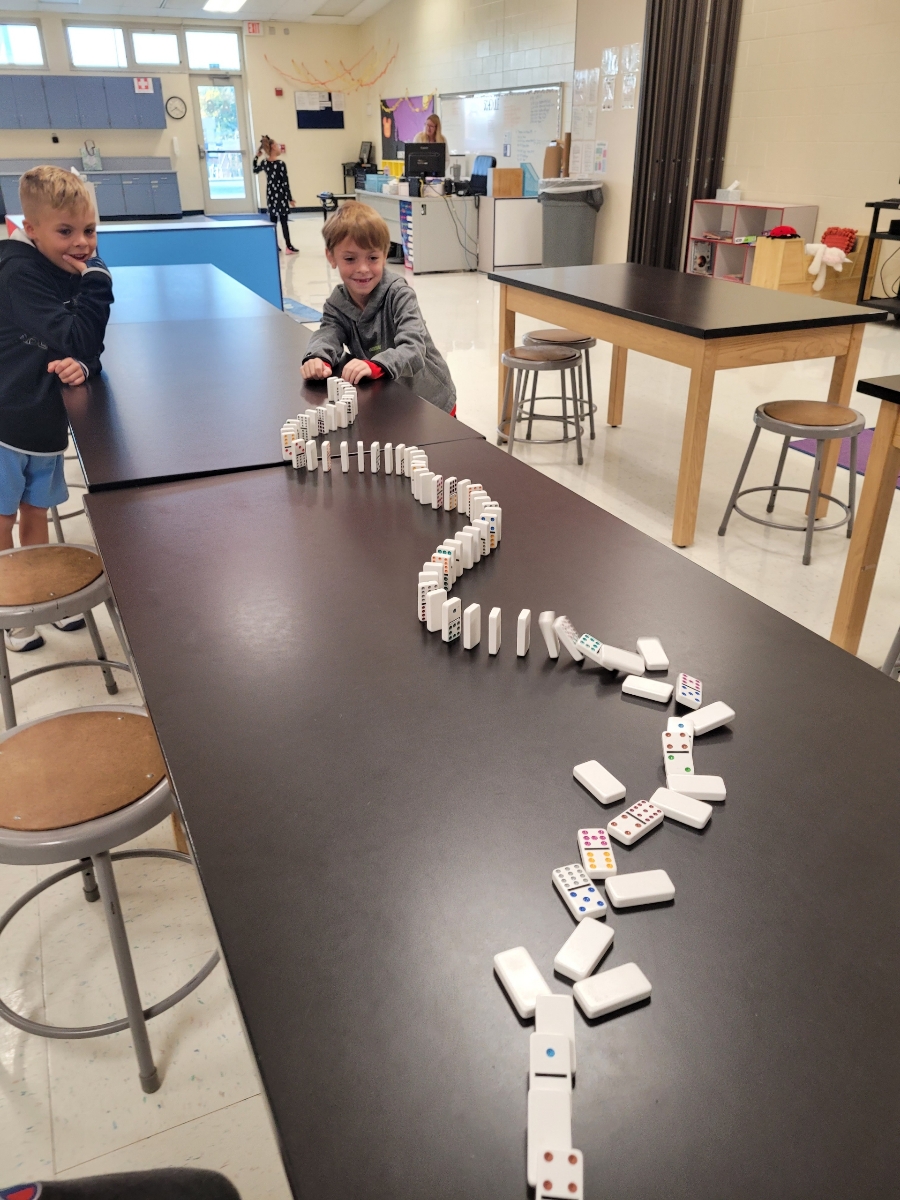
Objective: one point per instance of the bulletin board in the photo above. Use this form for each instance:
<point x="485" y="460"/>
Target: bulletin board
<point x="319" y="110"/>
<point x="515" y="125"/>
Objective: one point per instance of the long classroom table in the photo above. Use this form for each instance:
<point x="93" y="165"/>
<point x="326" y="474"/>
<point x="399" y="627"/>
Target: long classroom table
<point x="375" y="814"/>
<point x="199" y="374"/>
<point x="705" y="324"/>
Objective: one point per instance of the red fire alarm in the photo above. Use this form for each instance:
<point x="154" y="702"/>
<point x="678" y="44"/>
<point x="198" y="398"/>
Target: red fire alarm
<point x="279" y="91"/>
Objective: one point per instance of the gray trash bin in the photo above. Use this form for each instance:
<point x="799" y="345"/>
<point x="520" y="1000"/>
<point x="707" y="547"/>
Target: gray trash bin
<point x="570" y="210"/>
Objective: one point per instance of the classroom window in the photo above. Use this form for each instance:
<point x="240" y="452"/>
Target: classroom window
<point x="156" y="49"/>
<point x="91" y="46"/>
<point x="20" y="46"/>
<point x="213" y="51"/>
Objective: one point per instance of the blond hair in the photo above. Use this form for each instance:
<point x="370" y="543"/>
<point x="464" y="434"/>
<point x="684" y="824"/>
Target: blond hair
<point x="359" y="222"/>
<point x="52" y="187"/>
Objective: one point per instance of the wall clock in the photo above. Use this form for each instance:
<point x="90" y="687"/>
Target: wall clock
<point x="176" y="107"/>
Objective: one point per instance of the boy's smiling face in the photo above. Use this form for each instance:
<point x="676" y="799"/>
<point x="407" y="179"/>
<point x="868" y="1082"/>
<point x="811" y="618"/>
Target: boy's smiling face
<point x="360" y="269"/>
<point x="62" y="234"/>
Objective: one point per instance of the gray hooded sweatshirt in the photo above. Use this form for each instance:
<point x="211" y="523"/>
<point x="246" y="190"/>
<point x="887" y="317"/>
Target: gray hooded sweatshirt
<point x="389" y="331"/>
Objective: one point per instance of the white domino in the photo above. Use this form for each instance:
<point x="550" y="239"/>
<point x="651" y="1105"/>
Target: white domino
<point x="640" y="887"/>
<point x="425" y="585"/>
<point x="326" y="456"/>
<point x="676" y="742"/>
<point x="560" y="1173"/>
<point x="551" y="641"/>
<point x="647" y="689"/>
<point x="298" y="453"/>
<point x="375" y="457"/>
<point x="388" y="458"/>
<point x="451" y="620"/>
<point x="332" y="383"/>
<point x="345" y="457"/>
<point x="475" y="535"/>
<point x="433" y="603"/>
<point x="494" y="510"/>
<point x="581" y="897"/>
<point x="711" y="717"/>
<point x="684" y="725"/>
<point x="602" y="784"/>
<point x="678" y="766"/>
<point x="437" y="492"/>
<point x="467" y="548"/>
<point x="611" y="990"/>
<point x="450" y="493"/>
<point x="568" y="637"/>
<point x="462" y="496"/>
<point x="399" y="451"/>
<point x="494" y="631"/>
<point x="550" y="1061"/>
<point x="597" y="857"/>
<point x="312" y="456"/>
<point x="614" y="659"/>
<point x="635" y="822"/>
<point x="423" y="486"/>
<point x="523" y="633"/>
<point x="689" y="691"/>
<point x="590" y="647"/>
<point x="471" y="626"/>
<point x="684" y="809"/>
<point x="556" y="1014"/>
<point x="522" y="980"/>
<point x="549" y="1125"/>
<point x="701" y="787"/>
<point x="651" y="651"/>
<point x="583" y="948"/>
<point x="360" y="457"/>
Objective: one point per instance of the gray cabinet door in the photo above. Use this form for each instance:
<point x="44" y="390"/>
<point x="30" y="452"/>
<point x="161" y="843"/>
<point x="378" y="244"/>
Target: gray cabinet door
<point x="150" y="107"/>
<point x="138" y="195"/>
<point x="166" y="198"/>
<point x="61" y="92"/>
<point x="8" y="118"/>
<point x="9" y="186"/>
<point x="93" y="111"/>
<point x="31" y="103"/>
<point x="110" y="197"/>
<point x="120" y="99"/>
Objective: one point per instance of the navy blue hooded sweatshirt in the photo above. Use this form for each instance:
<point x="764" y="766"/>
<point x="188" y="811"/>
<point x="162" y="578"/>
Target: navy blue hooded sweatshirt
<point x="45" y="313"/>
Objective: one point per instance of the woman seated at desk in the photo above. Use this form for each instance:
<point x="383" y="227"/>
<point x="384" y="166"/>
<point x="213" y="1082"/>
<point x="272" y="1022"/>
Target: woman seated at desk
<point x="432" y="130"/>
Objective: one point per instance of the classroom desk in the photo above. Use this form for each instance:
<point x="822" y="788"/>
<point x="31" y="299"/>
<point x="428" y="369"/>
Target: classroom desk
<point x="182" y="292"/>
<point x="875" y="501"/>
<point x="375" y="814"/>
<point x="705" y="324"/>
<point x="209" y="394"/>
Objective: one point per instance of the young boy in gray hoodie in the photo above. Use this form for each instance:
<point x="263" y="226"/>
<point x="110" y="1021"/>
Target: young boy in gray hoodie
<point x="372" y="327"/>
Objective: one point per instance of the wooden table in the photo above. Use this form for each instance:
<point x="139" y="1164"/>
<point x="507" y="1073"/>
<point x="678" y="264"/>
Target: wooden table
<point x="199" y="374"/>
<point x="705" y="324"/>
<point x="375" y="814"/>
<point x="875" y="501"/>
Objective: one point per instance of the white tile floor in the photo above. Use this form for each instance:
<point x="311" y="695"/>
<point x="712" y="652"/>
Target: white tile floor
<point x="75" y="1108"/>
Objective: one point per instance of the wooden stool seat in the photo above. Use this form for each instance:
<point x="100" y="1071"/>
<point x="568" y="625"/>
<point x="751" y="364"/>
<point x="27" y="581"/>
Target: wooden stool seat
<point x="562" y="337"/>
<point x="534" y="354"/>
<point x="41" y="573"/>
<point x="810" y="412"/>
<point x="76" y="767"/>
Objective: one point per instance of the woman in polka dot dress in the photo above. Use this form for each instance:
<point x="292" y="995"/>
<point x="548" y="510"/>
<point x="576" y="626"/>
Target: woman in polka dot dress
<point x="278" y="189"/>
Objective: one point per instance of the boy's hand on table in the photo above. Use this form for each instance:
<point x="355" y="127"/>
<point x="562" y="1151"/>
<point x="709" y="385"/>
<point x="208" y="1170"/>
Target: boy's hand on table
<point x="69" y="371"/>
<point x="315" y="368"/>
<point x="355" y="370"/>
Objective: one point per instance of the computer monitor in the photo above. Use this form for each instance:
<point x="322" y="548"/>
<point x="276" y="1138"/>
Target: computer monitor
<point x="365" y="152"/>
<point x="426" y="158"/>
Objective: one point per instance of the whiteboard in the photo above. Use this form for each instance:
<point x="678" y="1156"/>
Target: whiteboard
<point x="514" y="126"/>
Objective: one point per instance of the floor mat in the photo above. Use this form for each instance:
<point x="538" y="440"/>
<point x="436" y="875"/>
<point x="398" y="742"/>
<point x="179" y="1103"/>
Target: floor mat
<point x="301" y="312"/>
<point x="864" y="445"/>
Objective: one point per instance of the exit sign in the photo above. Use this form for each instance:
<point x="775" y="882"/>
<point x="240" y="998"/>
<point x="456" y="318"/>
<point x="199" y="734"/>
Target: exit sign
<point x="253" y="28"/>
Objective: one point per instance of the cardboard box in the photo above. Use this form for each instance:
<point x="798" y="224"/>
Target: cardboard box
<point x="552" y="161"/>
<point x="505" y="181"/>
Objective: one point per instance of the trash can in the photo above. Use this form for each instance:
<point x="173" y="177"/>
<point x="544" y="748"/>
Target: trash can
<point x="570" y="208"/>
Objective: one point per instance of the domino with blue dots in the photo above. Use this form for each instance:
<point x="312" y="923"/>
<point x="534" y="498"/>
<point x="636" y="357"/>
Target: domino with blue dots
<point x="549" y="1062"/>
<point x="580" y="895"/>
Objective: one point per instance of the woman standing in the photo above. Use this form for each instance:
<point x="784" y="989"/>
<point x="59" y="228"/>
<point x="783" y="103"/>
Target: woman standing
<point x="278" y="189"/>
<point x="432" y="130"/>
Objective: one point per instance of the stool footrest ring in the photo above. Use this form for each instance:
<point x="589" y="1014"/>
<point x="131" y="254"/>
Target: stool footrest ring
<point x="74" y="662"/>
<point x="792" y="528"/>
<point x="89" y="1031"/>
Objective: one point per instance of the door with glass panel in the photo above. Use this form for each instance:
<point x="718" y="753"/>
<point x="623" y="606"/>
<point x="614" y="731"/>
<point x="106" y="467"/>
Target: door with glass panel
<point x="219" y="109"/>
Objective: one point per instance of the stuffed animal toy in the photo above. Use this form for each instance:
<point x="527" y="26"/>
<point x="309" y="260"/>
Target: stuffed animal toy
<point x="824" y="257"/>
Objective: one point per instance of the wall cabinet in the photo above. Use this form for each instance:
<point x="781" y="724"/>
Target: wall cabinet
<point x="79" y="102"/>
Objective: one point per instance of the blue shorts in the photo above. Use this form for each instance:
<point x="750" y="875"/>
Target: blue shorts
<point x="36" y="479"/>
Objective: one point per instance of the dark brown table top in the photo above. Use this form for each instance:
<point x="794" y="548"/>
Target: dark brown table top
<point x="887" y="387"/>
<point x="182" y="398"/>
<point x="691" y="304"/>
<point x="179" y="292"/>
<point x="376" y="814"/>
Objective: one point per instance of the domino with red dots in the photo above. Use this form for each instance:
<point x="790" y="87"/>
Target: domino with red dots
<point x="631" y="825"/>
<point x="689" y="691"/>
<point x="560" y="1174"/>
<point x="597" y="857"/>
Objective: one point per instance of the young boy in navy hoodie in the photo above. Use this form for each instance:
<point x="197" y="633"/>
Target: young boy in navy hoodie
<point x="55" y="295"/>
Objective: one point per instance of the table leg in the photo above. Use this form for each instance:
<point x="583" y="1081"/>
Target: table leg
<point x="507" y="340"/>
<point x="839" y="392"/>
<point x="875" y="502"/>
<point x="693" y="445"/>
<point x="617" y="386"/>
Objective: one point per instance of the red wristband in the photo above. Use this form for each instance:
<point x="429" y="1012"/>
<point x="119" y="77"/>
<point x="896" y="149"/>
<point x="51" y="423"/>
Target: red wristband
<point x="376" y="370"/>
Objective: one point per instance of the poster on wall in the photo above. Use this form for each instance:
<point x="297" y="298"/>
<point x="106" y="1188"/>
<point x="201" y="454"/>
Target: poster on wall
<point x="401" y="119"/>
<point x="319" y="110"/>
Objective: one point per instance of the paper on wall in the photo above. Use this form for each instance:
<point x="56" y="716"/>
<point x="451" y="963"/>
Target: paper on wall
<point x="576" y="158"/>
<point x="629" y="87"/>
<point x="590" y="122"/>
<point x="591" y="94"/>
<point x="577" y="124"/>
<point x="609" y="93"/>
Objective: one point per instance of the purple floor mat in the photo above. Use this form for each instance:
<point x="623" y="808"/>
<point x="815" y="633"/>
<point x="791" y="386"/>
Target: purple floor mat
<point x="864" y="445"/>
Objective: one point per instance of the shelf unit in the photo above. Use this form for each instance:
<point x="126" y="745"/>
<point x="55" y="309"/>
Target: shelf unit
<point x="890" y="304"/>
<point x="722" y="237"/>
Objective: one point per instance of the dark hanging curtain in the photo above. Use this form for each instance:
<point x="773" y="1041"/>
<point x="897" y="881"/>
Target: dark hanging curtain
<point x="689" y="48"/>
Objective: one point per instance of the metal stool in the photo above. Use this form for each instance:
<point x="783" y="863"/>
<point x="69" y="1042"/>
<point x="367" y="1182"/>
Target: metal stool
<point x="73" y="786"/>
<point x="892" y="662"/>
<point x="801" y="419"/>
<point x="40" y="584"/>
<point x="522" y="361"/>
<point x="571" y="340"/>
